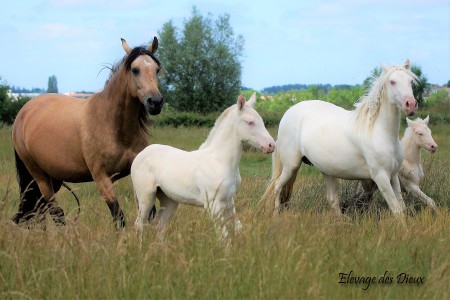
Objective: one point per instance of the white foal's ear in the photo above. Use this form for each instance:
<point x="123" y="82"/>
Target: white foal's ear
<point x="241" y="101"/>
<point x="125" y="46"/>
<point x="154" y="46"/>
<point x="426" y="120"/>
<point x="409" y="122"/>
<point x="384" y="67"/>
<point x="252" y="100"/>
<point x="406" y="64"/>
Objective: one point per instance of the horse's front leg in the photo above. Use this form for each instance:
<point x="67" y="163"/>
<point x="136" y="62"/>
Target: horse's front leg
<point x="217" y="210"/>
<point x="332" y="186"/>
<point x="231" y="216"/>
<point x="395" y="181"/>
<point x="415" y="190"/>
<point x="383" y="181"/>
<point x="105" y="185"/>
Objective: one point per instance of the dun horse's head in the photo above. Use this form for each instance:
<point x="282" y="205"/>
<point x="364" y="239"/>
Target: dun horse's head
<point x="143" y="68"/>
<point x="400" y="87"/>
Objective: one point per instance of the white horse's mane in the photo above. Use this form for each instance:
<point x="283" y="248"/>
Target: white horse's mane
<point x="216" y="126"/>
<point x="368" y="106"/>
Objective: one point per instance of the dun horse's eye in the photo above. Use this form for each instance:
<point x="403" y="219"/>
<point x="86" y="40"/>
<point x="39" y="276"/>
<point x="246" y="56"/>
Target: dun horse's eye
<point x="135" y="71"/>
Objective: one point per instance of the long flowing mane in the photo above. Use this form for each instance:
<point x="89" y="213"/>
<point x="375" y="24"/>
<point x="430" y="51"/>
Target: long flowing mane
<point x="126" y="61"/>
<point x="368" y="106"/>
<point x="216" y="126"/>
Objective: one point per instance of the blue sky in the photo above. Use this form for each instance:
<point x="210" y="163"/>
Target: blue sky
<point x="286" y="41"/>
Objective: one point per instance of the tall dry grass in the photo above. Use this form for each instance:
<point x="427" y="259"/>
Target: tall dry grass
<point x="298" y="254"/>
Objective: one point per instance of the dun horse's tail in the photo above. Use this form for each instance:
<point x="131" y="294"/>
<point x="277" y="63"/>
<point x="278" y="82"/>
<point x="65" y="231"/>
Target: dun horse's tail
<point x="30" y="194"/>
<point x="76" y="199"/>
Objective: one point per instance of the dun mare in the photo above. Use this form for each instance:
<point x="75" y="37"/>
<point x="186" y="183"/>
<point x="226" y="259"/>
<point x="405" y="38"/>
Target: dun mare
<point x="60" y="139"/>
<point x="361" y="144"/>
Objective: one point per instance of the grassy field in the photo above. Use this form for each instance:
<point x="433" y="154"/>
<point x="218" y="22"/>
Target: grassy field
<point x="303" y="253"/>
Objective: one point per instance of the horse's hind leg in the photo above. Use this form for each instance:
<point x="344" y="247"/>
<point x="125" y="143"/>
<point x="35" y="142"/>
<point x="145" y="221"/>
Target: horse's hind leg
<point x="332" y="185"/>
<point x="285" y="182"/>
<point x="146" y="197"/>
<point x="166" y="211"/>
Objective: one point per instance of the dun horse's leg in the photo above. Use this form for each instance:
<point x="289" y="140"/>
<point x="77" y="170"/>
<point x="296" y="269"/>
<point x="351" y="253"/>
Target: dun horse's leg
<point x="49" y="202"/>
<point x="105" y="185"/>
<point x="332" y="185"/>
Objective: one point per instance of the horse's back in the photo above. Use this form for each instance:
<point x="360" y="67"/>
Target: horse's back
<point x="46" y="127"/>
<point x="323" y="133"/>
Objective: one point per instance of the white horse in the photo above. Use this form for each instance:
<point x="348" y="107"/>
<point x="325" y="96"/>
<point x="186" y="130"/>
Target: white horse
<point x="208" y="177"/>
<point x="361" y="144"/>
<point x="417" y="136"/>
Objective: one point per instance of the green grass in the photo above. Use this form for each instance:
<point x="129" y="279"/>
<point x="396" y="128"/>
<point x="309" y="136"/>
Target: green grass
<point x="296" y="255"/>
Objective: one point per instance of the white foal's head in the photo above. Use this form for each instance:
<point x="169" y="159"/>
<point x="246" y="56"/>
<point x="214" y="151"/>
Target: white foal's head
<point x="422" y="134"/>
<point x="399" y="87"/>
<point x="250" y="125"/>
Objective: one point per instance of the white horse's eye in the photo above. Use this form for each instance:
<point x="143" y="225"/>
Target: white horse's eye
<point x="392" y="82"/>
<point x="251" y="123"/>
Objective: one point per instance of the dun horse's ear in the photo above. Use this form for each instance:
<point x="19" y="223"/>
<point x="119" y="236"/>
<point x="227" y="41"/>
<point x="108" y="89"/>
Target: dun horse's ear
<point x="252" y="100"/>
<point x="406" y="64"/>
<point x="125" y="46"/>
<point x="154" y="46"/>
<point x="241" y="101"/>
<point x="426" y="120"/>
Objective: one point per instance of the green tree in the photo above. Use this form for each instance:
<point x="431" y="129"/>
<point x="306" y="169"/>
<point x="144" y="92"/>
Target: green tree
<point x="202" y="71"/>
<point x="448" y="84"/>
<point x="52" y="84"/>
<point x="420" y="89"/>
<point x="8" y="107"/>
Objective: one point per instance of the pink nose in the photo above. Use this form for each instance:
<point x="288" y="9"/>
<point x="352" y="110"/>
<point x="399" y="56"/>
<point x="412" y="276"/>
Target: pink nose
<point x="410" y="105"/>
<point x="269" y="148"/>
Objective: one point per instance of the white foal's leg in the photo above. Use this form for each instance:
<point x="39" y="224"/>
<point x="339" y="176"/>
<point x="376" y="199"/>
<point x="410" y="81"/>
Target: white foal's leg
<point x="332" y="184"/>
<point x="384" y="185"/>
<point x="146" y="197"/>
<point x="216" y="209"/>
<point x="415" y="190"/>
<point x="230" y="216"/>
<point x="166" y="211"/>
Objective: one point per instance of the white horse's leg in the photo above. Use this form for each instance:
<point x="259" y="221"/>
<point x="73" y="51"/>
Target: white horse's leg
<point x="332" y="185"/>
<point x="166" y="211"/>
<point x="398" y="191"/>
<point x="230" y="215"/>
<point x="146" y="197"/>
<point x="415" y="190"/>
<point x="216" y="209"/>
<point x="384" y="185"/>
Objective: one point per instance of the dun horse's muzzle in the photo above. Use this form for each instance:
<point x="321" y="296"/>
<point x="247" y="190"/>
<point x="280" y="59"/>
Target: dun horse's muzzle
<point x="154" y="105"/>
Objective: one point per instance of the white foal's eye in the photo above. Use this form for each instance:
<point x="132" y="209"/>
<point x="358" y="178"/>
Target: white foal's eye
<point x="251" y="123"/>
<point x="392" y="82"/>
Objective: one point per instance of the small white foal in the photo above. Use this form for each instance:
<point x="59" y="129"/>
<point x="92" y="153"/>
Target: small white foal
<point x="208" y="177"/>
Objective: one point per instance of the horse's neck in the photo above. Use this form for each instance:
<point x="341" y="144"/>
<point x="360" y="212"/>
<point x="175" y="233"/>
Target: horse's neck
<point x="411" y="150"/>
<point x="117" y="107"/>
<point x="388" y="121"/>
<point x="225" y="144"/>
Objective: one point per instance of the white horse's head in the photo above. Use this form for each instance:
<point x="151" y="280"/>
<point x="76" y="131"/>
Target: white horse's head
<point x="250" y="125"/>
<point x="399" y="87"/>
<point x="422" y="134"/>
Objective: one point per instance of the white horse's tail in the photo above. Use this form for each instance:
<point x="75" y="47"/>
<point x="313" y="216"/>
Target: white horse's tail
<point x="267" y="202"/>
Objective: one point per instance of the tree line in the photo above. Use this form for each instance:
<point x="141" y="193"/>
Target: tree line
<point x="202" y="73"/>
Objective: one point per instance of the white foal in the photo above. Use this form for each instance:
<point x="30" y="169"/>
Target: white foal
<point x="416" y="137"/>
<point x="208" y="177"/>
